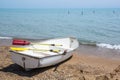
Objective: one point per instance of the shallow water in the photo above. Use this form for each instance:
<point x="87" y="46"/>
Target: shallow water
<point x="90" y="26"/>
<point x="98" y="51"/>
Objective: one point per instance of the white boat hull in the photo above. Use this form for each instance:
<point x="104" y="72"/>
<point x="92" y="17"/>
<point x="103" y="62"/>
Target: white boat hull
<point x="29" y="62"/>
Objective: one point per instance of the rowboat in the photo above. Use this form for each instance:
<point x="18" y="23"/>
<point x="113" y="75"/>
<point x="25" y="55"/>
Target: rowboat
<point x="44" y="53"/>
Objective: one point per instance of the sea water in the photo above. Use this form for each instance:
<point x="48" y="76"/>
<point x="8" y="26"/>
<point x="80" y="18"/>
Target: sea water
<point x="99" y="27"/>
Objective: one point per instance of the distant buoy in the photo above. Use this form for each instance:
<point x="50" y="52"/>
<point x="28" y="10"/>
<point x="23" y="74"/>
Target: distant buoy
<point x="113" y="12"/>
<point x="82" y="13"/>
<point x="93" y="12"/>
<point x="68" y="12"/>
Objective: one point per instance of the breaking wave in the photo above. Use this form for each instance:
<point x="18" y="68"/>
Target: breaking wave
<point x="102" y="45"/>
<point x="109" y="46"/>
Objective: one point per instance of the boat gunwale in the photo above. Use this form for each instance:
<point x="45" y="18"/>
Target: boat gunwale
<point x="36" y="56"/>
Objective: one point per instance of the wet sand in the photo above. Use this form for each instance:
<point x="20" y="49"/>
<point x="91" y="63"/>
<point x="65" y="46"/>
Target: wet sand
<point x="80" y="66"/>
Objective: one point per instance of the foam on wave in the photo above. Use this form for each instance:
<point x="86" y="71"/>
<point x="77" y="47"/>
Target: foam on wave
<point x="109" y="46"/>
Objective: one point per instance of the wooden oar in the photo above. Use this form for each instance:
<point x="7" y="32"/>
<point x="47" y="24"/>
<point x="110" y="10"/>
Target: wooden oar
<point x="47" y="44"/>
<point x="23" y="49"/>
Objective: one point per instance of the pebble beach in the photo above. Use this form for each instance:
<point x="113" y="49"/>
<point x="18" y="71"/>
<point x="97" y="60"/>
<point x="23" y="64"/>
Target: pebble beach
<point x="78" y="67"/>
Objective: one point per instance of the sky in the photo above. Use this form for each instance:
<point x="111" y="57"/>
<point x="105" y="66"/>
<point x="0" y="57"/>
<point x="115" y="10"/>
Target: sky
<point x="59" y="3"/>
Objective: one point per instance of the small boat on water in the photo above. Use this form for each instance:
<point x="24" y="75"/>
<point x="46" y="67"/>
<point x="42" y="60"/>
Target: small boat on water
<point x="43" y="53"/>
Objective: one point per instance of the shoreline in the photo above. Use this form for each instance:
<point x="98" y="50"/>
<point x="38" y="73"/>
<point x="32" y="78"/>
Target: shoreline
<point x="80" y="66"/>
<point x="99" y="52"/>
